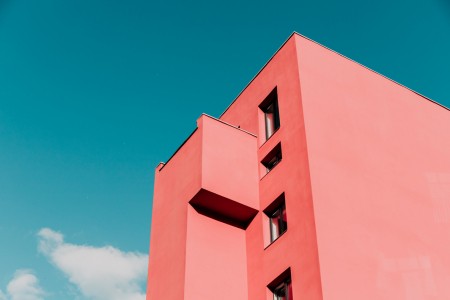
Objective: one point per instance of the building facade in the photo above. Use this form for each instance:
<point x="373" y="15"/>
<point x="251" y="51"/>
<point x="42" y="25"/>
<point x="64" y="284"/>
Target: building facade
<point x="322" y="180"/>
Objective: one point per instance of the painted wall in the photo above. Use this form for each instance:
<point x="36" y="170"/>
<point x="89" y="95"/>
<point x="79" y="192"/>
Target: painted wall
<point x="297" y="248"/>
<point x="216" y="265"/>
<point x="192" y="254"/>
<point x="366" y="177"/>
<point x="379" y="158"/>
<point x="175" y="183"/>
<point x="229" y="162"/>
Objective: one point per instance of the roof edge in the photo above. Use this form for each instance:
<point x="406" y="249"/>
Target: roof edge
<point x="231" y="125"/>
<point x="161" y="165"/>
<point x="294" y="33"/>
<point x="260" y="70"/>
<point x="366" y="67"/>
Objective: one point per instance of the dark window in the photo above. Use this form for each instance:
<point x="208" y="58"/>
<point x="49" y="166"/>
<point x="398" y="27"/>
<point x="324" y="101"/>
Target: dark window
<point x="281" y="287"/>
<point x="283" y="291"/>
<point x="271" y="114"/>
<point x="278" y="223"/>
<point x="276" y="212"/>
<point x="272" y="159"/>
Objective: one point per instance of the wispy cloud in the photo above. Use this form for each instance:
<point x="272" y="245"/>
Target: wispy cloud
<point x="100" y="273"/>
<point x="23" y="286"/>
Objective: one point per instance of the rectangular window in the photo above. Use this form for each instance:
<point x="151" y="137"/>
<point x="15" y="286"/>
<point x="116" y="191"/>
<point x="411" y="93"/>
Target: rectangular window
<point x="281" y="287"/>
<point x="271" y="115"/>
<point x="276" y="213"/>
<point x="272" y="159"/>
<point x="283" y="291"/>
<point x="278" y="223"/>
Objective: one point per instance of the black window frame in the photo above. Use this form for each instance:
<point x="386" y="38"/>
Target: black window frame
<point x="281" y="287"/>
<point x="276" y="221"/>
<point x="273" y="158"/>
<point x="276" y="212"/>
<point x="283" y="290"/>
<point x="271" y="112"/>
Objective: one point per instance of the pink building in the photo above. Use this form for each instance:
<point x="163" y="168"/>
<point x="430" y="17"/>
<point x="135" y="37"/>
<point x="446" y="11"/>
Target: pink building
<point x="322" y="180"/>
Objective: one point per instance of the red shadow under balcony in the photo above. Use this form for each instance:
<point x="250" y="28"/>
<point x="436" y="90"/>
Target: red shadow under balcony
<point x="217" y="171"/>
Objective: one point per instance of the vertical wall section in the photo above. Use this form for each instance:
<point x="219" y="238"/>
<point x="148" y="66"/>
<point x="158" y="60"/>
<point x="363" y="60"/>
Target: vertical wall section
<point x="216" y="261"/>
<point x="205" y="196"/>
<point x="175" y="182"/>
<point x="297" y="247"/>
<point x="364" y="171"/>
<point x="380" y="173"/>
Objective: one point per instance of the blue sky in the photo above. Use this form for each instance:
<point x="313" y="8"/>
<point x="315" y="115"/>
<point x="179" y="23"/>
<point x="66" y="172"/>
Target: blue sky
<point x="93" y="94"/>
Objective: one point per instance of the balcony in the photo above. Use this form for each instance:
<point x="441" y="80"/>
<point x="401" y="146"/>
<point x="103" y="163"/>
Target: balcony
<point x="216" y="171"/>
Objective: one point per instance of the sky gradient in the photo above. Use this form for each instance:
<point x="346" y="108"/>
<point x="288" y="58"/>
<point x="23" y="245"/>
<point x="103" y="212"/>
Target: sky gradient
<point x="93" y="94"/>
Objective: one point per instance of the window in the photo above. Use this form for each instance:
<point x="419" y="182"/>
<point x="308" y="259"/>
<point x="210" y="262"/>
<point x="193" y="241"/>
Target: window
<point x="281" y="287"/>
<point x="283" y="291"/>
<point x="278" y="223"/>
<point x="272" y="159"/>
<point x="276" y="213"/>
<point x="271" y="115"/>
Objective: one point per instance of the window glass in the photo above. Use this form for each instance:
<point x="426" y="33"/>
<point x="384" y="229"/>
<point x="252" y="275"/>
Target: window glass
<point x="272" y="119"/>
<point x="283" y="291"/>
<point x="278" y="222"/>
<point x="271" y="115"/>
<point x="272" y="159"/>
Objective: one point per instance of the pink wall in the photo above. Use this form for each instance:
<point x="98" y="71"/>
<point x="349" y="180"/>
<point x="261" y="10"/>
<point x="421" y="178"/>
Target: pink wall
<point x="366" y="177"/>
<point x="380" y="173"/>
<point x="215" y="260"/>
<point x="176" y="182"/>
<point x="229" y="162"/>
<point x="297" y="248"/>
<point x="194" y="256"/>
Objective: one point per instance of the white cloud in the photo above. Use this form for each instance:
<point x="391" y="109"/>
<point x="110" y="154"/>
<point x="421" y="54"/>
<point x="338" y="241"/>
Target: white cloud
<point x="100" y="273"/>
<point x="23" y="286"/>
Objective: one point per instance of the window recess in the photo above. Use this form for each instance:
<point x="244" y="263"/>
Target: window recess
<point x="283" y="291"/>
<point x="271" y="114"/>
<point x="277" y="218"/>
<point x="281" y="287"/>
<point x="272" y="159"/>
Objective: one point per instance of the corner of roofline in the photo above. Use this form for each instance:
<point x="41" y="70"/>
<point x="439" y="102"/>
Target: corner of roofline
<point x="228" y="124"/>
<point x="260" y="70"/>
<point x="160" y="166"/>
<point x="295" y="33"/>
<point x="372" y="70"/>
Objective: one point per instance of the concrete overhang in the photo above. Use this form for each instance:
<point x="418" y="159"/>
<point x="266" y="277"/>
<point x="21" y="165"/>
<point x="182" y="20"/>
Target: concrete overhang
<point x="222" y="161"/>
